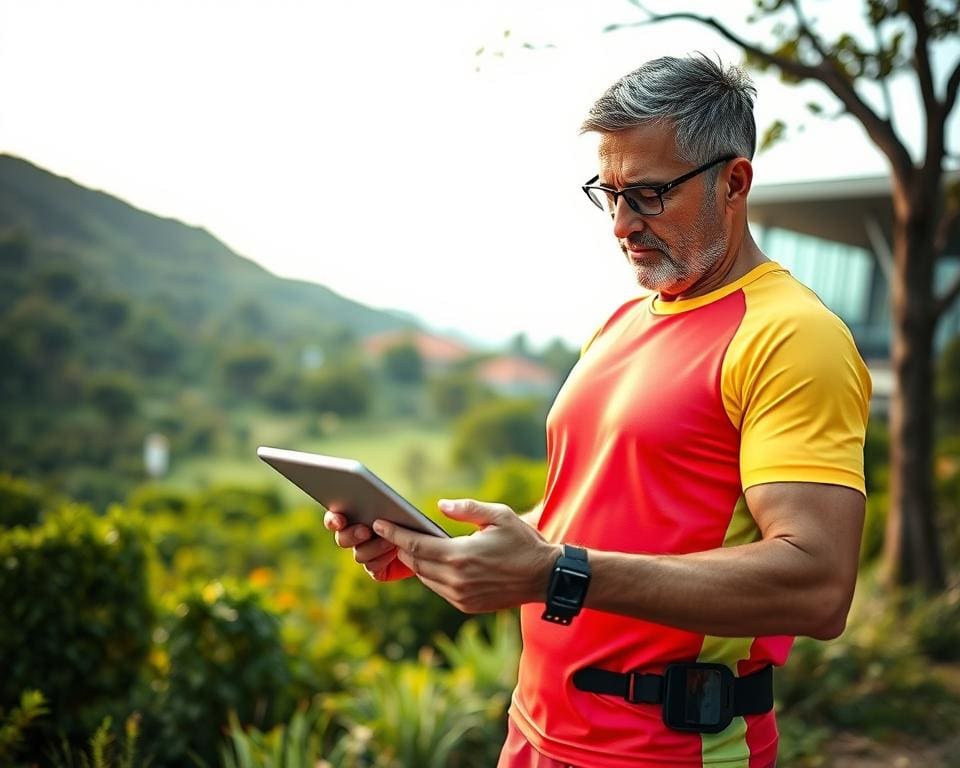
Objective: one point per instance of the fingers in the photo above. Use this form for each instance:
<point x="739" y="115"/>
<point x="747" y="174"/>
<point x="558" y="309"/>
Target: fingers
<point x="420" y="545"/>
<point x="477" y="512"/>
<point x="353" y="536"/>
<point x="367" y="554"/>
<point x="333" y="521"/>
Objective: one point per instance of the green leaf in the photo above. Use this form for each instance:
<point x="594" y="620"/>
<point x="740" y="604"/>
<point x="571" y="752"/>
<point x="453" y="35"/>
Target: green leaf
<point x="816" y="109"/>
<point x="774" y="133"/>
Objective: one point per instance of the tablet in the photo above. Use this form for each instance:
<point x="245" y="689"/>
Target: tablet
<point x="349" y="488"/>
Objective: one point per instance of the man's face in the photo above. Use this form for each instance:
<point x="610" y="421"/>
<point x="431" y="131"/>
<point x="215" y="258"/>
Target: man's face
<point x="672" y="251"/>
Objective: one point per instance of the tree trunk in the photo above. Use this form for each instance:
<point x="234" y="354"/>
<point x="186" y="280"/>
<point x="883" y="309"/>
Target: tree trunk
<point x="912" y="547"/>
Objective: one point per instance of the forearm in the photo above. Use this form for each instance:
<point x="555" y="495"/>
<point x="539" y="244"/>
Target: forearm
<point x="770" y="587"/>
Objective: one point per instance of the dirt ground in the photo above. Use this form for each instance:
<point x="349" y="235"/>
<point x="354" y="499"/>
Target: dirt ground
<point x="853" y="751"/>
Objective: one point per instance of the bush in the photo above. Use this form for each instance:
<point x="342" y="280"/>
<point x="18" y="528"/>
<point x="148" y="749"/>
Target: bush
<point x="948" y="386"/>
<point x="345" y="391"/>
<point x="14" y="725"/>
<point x="876" y="455"/>
<point x="76" y="616"/>
<point x="221" y="652"/>
<point x="456" y="392"/>
<point x="403" y="363"/>
<point x="873" y="680"/>
<point x="937" y="626"/>
<point x="402" y="714"/>
<point x="500" y="429"/>
<point x="21" y="503"/>
<point x="518" y="483"/>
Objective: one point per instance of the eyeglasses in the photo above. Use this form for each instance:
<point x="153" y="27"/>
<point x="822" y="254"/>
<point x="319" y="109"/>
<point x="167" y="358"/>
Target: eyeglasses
<point x="645" y="199"/>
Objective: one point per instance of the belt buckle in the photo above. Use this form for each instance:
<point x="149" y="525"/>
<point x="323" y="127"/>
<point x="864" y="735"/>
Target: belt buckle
<point x="698" y="697"/>
<point x="643" y="688"/>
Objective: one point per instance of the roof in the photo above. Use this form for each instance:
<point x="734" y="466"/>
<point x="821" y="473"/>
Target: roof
<point x="512" y="369"/>
<point x="432" y="348"/>
<point x="832" y="209"/>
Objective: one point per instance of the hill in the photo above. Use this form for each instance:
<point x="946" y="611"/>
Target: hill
<point x="115" y="323"/>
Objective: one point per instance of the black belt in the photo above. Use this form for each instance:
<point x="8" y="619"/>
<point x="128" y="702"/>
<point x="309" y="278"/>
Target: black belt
<point x="695" y="696"/>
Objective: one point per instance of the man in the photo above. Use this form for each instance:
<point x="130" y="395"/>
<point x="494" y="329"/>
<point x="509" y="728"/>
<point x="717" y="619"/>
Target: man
<point x="705" y="491"/>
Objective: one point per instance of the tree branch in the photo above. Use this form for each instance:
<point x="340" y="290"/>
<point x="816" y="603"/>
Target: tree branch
<point x="943" y="303"/>
<point x="921" y="56"/>
<point x="807" y="31"/>
<point x="884" y="82"/>
<point x="951" y="98"/>
<point x="880" y="131"/>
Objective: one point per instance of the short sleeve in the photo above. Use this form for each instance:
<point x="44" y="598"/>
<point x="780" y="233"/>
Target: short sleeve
<point x="799" y="392"/>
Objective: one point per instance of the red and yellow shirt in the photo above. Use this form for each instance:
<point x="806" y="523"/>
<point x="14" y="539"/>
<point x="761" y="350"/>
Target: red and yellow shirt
<point x="674" y="409"/>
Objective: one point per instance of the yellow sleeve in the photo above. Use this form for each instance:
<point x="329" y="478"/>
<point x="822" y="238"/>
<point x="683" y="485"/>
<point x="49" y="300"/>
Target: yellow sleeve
<point x="795" y="386"/>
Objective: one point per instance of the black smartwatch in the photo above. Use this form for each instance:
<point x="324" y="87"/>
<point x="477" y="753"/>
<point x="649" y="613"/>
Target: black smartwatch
<point x="568" y="586"/>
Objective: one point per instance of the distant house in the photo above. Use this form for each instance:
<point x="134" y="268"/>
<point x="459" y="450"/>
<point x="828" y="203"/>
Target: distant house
<point x="516" y="376"/>
<point x="438" y="352"/>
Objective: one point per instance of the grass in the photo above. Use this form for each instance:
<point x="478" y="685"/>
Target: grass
<point x="407" y="454"/>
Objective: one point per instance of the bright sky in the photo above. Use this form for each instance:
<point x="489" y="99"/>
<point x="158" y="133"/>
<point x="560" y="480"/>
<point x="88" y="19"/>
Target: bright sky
<point x="354" y="144"/>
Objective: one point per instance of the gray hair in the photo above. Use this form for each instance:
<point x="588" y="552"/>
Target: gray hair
<point x="711" y="107"/>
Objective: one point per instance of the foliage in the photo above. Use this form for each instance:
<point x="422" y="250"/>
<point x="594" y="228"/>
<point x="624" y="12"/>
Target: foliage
<point x="403" y="363"/>
<point x="499" y="429"/>
<point x="344" y="390"/>
<point x="948" y="387"/>
<point x="21" y="502"/>
<point x="77" y="614"/>
<point x="410" y="713"/>
<point x="300" y="743"/>
<point x="244" y="367"/>
<point x="14" y="724"/>
<point x="518" y="483"/>
<point x="222" y="651"/>
<point x="937" y="626"/>
<point x="455" y="392"/>
<point x="115" y="395"/>
<point x="874" y="679"/>
<point x="104" y="749"/>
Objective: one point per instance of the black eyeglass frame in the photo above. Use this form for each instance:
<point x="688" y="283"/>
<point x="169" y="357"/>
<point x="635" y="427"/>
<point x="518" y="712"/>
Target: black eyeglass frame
<point x="657" y="189"/>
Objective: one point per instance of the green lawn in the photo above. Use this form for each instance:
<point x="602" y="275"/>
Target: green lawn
<point x="388" y="448"/>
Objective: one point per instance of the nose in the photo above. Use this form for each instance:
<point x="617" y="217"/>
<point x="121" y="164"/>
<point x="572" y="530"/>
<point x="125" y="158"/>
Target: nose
<point x="626" y="220"/>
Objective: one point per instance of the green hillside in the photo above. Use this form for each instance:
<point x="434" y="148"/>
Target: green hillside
<point x="123" y="249"/>
<point x="115" y="323"/>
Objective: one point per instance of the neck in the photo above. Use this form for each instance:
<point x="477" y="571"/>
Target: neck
<point x="743" y="256"/>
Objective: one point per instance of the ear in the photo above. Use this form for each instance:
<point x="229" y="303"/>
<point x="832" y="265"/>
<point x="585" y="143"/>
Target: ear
<point x="739" y="179"/>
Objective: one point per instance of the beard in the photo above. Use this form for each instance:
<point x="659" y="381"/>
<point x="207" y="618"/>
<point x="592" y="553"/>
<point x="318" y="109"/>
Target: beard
<point x="676" y="268"/>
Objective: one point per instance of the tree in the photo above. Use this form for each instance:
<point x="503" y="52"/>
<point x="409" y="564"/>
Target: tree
<point x="499" y="429"/>
<point x="403" y="363"/>
<point x="906" y="34"/>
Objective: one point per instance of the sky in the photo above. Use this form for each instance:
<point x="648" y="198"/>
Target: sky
<point x="367" y="146"/>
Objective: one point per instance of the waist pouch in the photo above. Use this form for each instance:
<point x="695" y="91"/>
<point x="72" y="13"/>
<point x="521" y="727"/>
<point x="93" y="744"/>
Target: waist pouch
<point x="694" y="696"/>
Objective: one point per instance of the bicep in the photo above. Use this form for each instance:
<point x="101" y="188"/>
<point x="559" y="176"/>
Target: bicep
<point x="821" y="520"/>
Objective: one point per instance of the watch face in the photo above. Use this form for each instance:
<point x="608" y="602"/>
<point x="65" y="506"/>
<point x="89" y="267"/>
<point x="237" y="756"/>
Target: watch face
<point x="571" y="587"/>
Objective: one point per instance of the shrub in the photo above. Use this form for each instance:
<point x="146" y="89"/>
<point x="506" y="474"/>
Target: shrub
<point x="937" y="626"/>
<point x="14" y="725"/>
<point x="454" y="393"/>
<point x="345" y="391"/>
<point x="221" y="651"/>
<point x="518" y="483"/>
<point x="76" y="614"/>
<point x="21" y="502"/>
<point x="404" y="714"/>
<point x="500" y="429"/>
<point x="303" y="742"/>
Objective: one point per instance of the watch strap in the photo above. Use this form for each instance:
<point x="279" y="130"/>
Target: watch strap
<point x="572" y="559"/>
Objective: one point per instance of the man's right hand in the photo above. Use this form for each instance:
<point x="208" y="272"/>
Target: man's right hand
<point x="377" y="556"/>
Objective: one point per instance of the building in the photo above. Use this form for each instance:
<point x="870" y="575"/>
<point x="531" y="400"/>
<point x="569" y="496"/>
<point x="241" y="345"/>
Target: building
<point x="516" y="376"/>
<point x="437" y="352"/>
<point x="835" y="237"/>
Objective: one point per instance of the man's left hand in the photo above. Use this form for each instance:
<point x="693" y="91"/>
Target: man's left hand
<point x="502" y="565"/>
